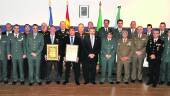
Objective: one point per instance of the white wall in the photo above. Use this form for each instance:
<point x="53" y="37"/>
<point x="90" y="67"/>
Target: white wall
<point x="36" y="11"/>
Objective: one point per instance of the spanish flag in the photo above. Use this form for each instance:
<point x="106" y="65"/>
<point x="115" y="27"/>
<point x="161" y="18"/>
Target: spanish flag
<point x="67" y="17"/>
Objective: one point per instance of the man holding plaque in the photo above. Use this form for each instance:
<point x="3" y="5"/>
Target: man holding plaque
<point x="51" y="39"/>
<point x="72" y="47"/>
<point x="92" y="48"/>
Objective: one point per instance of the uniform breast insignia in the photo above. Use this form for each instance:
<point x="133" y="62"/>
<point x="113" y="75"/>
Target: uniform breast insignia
<point x="21" y="39"/>
<point x="129" y="44"/>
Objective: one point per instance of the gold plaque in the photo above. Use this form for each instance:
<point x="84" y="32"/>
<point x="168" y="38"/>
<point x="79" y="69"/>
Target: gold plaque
<point x="71" y="52"/>
<point x="52" y="52"/>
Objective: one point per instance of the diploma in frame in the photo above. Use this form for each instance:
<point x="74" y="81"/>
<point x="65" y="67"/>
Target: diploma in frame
<point x="52" y="52"/>
<point x="71" y="52"/>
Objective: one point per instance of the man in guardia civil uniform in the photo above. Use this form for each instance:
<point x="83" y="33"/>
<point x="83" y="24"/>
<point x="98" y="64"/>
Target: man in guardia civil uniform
<point x="3" y="56"/>
<point x="34" y="45"/>
<point x="16" y="52"/>
<point x="124" y="52"/>
<point x="108" y="53"/>
<point x="139" y="47"/>
<point x="165" y="65"/>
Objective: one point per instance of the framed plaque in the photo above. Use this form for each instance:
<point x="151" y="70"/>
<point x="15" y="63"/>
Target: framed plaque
<point x="71" y="52"/>
<point x="84" y="11"/>
<point x="52" y="52"/>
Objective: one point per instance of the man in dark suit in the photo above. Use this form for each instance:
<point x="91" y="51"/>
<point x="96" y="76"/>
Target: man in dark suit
<point x="132" y="29"/>
<point x="73" y="40"/>
<point x="149" y="31"/>
<point x="43" y="64"/>
<point x="92" y="49"/>
<point x="154" y="51"/>
<point x="52" y="39"/>
<point x="163" y="31"/>
<point x="62" y="34"/>
<point x="104" y="30"/>
<point x="117" y="34"/>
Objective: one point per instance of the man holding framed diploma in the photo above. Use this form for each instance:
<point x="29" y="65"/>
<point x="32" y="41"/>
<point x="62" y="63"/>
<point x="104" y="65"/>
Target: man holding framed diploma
<point x="52" y="54"/>
<point x="72" y="47"/>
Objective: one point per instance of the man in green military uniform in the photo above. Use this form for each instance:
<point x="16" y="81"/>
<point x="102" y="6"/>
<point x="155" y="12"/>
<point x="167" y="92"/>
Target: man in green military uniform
<point x="139" y="47"/>
<point x="124" y="52"/>
<point x="3" y="56"/>
<point x="16" y="51"/>
<point x="108" y="54"/>
<point x="34" y="45"/>
<point x="165" y="65"/>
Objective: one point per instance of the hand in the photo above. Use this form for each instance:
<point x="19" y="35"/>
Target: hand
<point x="33" y="54"/>
<point x="124" y="58"/>
<point x="45" y="57"/>
<point x="138" y="53"/>
<point x="108" y="56"/>
<point x="91" y="56"/>
<point x="153" y="56"/>
<point x="24" y="56"/>
<point x="9" y="56"/>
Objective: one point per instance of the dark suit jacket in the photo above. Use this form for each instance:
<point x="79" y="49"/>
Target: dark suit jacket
<point x="102" y="33"/>
<point x="76" y="42"/>
<point x="154" y="48"/>
<point x="130" y="34"/>
<point x="95" y="50"/>
<point x="47" y="40"/>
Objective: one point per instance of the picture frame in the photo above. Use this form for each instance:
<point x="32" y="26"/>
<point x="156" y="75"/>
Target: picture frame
<point x="52" y="52"/>
<point x="71" y="52"/>
<point x="83" y="11"/>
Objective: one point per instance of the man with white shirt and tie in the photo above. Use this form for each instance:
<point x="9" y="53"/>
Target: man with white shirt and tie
<point x="118" y="31"/>
<point x="139" y="46"/>
<point x="165" y="65"/>
<point x="149" y="31"/>
<point x="132" y="29"/>
<point x="8" y="31"/>
<point x="154" y="51"/>
<point x="73" y="40"/>
<point x="34" y="46"/>
<point x="92" y="49"/>
<point x="162" y="29"/>
<point x="52" y="39"/>
<point x="3" y="57"/>
<point x="17" y="52"/>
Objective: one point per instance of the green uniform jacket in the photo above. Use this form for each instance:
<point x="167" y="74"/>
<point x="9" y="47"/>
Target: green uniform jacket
<point x="3" y="47"/>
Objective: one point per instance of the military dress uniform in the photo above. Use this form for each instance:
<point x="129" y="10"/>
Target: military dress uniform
<point x="16" y="48"/>
<point x="108" y="47"/>
<point x="154" y="47"/>
<point x="165" y="65"/>
<point x="139" y="44"/>
<point x="124" y="48"/>
<point x="3" y="57"/>
<point x="34" y="43"/>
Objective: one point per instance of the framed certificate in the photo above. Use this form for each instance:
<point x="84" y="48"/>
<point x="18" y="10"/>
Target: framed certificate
<point x="71" y="52"/>
<point x="52" y="52"/>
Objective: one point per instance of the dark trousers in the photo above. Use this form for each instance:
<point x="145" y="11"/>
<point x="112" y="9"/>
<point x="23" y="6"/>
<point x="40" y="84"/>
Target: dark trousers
<point x="49" y="70"/>
<point x="76" y="68"/>
<point x="60" y="66"/>
<point x="9" y="69"/>
<point x="154" y="70"/>
<point x="43" y="66"/>
<point x="90" y="71"/>
<point x="26" y="68"/>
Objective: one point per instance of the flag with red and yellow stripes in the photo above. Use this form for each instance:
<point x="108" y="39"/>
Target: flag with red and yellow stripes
<point x="67" y="17"/>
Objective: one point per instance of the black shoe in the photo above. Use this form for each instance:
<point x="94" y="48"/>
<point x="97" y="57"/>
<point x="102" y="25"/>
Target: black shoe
<point x="161" y="83"/>
<point x="86" y="83"/>
<point x="168" y="83"/>
<point x="30" y="84"/>
<point x="48" y="82"/>
<point x="111" y="82"/>
<point x="117" y="82"/>
<point x="39" y="83"/>
<point x="154" y="85"/>
<point x="101" y="83"/>
<point x="140" y="81"/>
<point x="22" y="82"/>
<point x="65" y="82"/>
<point x="94" y="83"/>
<point x="5" y="82"/>
<point x="57" y="82"/>
<point x="126" y="82"/>
<point x="77" y="83"/>
<point x="14" y="83"/>
<point x="133" y="81"/>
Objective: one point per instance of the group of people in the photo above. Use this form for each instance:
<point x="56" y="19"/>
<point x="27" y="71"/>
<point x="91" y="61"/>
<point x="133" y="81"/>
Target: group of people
<point x="117" y="51"/>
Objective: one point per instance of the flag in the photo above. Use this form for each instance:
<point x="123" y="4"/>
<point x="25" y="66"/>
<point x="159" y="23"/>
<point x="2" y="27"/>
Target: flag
<point x="51" y="17"/>
<point x="99" y="23"/>
<point x="67" y="18"/>
<point x="118" y="16"/>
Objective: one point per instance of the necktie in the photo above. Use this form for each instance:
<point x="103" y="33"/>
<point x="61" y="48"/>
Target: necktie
<point x="72" y="40"/>
<point x="35" y="35"/>
<point x="106" y="29"/>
